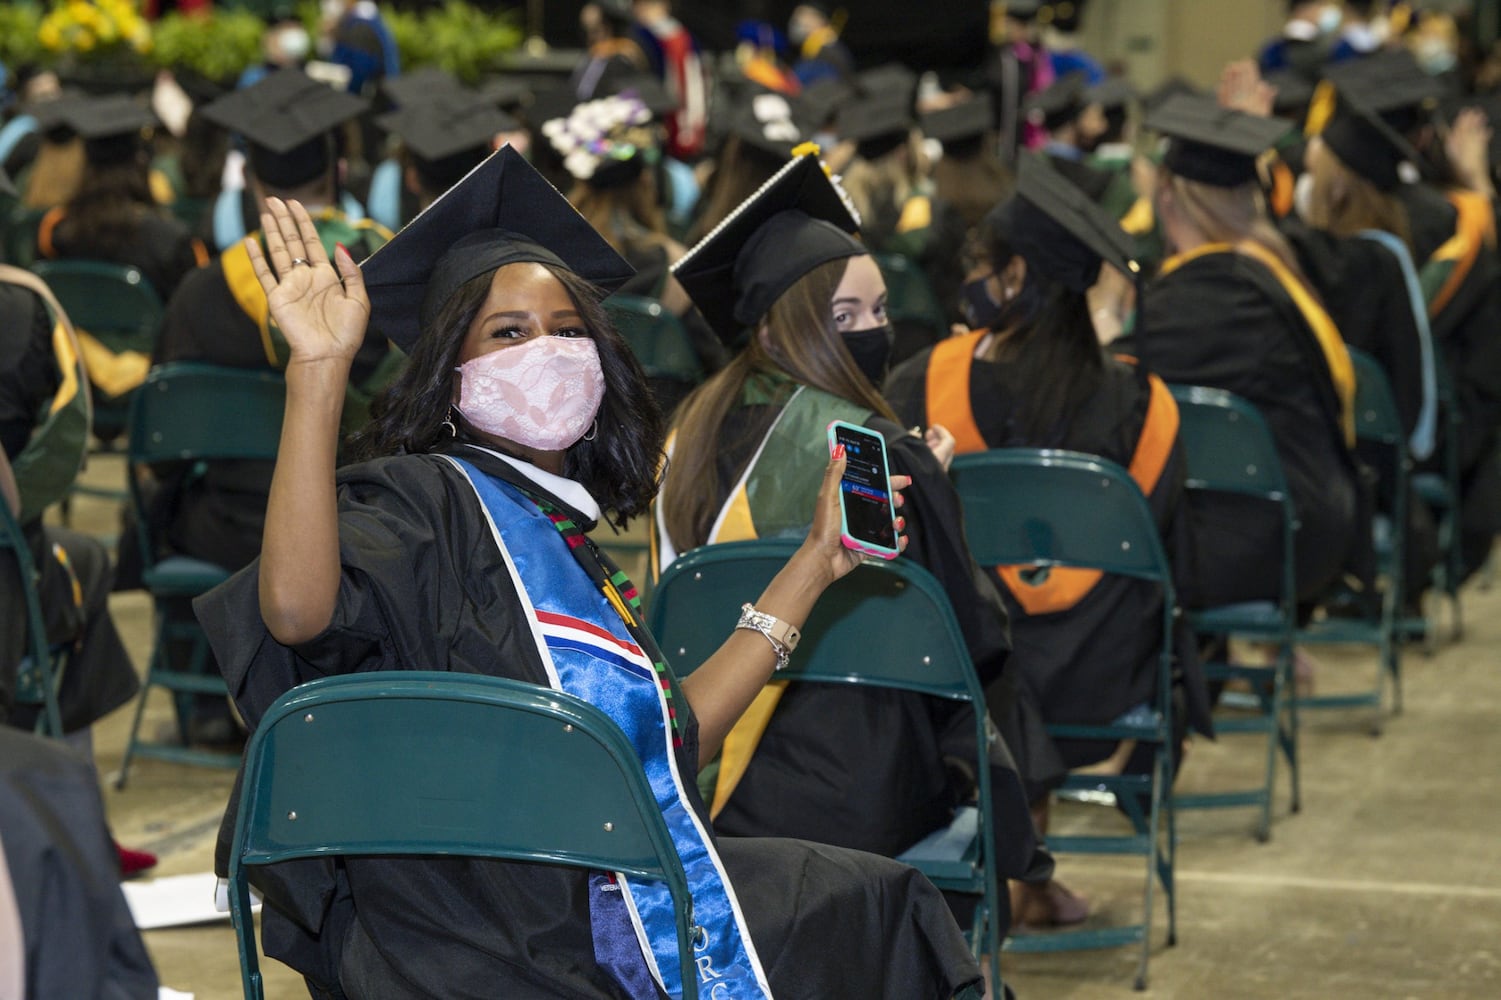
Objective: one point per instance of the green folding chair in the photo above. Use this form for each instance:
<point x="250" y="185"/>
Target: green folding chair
<point x="1378" y="422"/>
<point x="18" y="237"/>
<point x="189" y="412"/>
<point x="916" y="314"/>
<point x="1441" y="491"/>
<point x="1229" y="449"/>
<point x="41" y="666"/>
<point x="1046" y="509"/>
<point x="660" y="343"/>
<point x="349" y="766"/>
<point x="117" y="306"/>
<point x="887" y="624"/>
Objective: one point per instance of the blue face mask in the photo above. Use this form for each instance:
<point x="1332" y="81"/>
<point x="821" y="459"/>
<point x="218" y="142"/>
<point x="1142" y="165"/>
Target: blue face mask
<point x="980" y="310"/>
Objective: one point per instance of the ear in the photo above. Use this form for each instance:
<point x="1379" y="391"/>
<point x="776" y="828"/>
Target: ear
<point x="763" y="336"/>
<point x="1013" y="276"/>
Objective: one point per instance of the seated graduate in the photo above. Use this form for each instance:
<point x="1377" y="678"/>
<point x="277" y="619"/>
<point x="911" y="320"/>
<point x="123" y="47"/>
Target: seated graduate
<point x="1074" y="125"/>
<point x="968" y="175"/>
<point x="1231" y="310"/>
<point x="786" y="283"/>
<point x="112" y="215"/>
<point x="520" y="422"/>
<point x="1032" y="375"/>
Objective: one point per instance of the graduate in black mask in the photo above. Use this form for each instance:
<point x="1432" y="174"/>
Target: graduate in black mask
<point x="789" y="286"/>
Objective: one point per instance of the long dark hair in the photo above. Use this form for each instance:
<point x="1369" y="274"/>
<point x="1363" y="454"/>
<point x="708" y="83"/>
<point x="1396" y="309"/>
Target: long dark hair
<point x="1050" y="346"/>
<point x="802" y="342"/>
<point x="107" y="209"/>
<point x="619" y="468"/>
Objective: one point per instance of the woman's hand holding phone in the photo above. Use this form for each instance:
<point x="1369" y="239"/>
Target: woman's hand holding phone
<point x="825" y="547"/>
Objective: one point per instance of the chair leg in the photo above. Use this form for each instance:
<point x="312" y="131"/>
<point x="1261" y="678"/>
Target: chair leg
<point x="1169" y="873"/>
<point x="1154" y="866"/>
<point x="158" y="650"/>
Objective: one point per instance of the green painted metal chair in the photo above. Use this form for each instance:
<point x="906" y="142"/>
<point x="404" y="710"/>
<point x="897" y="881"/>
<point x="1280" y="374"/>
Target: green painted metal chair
<point x="850" y="638"/>
<point x="188" y="412"/>
<point x="1378" y="422"/>
<point x="349" y="766"/>
<point x="1440" y="490"/>
<point x="660" y="343"/>
<point x="1046" y="509"/>
<point x="18" y="236"/>
<point x="1229" y="449"/>
<point x="41" y="666"/>
<point x="915" y="312"/>
<point x="117" y="306"/>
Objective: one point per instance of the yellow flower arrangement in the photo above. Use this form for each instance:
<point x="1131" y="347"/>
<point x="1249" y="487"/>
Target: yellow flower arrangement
<point x="86" y="27"/>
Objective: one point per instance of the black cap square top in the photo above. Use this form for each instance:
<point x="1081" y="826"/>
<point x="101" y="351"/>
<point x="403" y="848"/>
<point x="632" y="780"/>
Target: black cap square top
<point x="447" y="122"/>
<point x="1060" y="103"/>
<point x="502" y="212"/>
<point x="113" y="116"/>
<point x="284" y="110"/>
<point x="1212" y="144"/>
<point x="1362" y="139"/>
<point x="876" y="125"/>
<point x="796" y="221"/>
<point x="419" y="85"/>
<point x="962" y="122"/>
<point x="1059" y="230"/>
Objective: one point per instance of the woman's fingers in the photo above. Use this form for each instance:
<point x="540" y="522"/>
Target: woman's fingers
<point x="291" y="236"/>
<point x="354" y="278"/>
<point x="258" y="264"/>
<point x="276" y="246"/>
<point x="312" y="244"/>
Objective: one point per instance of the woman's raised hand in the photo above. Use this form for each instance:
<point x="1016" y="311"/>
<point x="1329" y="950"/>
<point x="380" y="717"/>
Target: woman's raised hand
<point x="320" y="305"/>
<point x="823" y="546"/>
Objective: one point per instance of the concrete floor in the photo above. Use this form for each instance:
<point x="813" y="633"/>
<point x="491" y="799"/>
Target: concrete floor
<point x="1387" y="884"/>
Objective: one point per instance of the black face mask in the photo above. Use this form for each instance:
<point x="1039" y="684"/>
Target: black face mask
<point x="980" y="310"/>
<point x="871" y="350"/>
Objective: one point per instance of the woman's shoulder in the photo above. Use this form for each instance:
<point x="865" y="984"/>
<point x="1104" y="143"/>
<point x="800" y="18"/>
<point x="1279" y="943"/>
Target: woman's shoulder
<point x="396" y="479"/>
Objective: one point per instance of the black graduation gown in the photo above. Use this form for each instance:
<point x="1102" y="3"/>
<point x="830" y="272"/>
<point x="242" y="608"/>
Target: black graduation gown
<point x="1093" y="661"/>
<point x="80" y="939"/>
<point x="1223" y="320"/>
<point x="425" y="587"/>
<point x="884" y="751"/>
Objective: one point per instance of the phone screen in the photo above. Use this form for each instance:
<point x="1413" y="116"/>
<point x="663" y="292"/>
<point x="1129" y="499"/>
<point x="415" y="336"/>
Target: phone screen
<point x="865" y="489"/>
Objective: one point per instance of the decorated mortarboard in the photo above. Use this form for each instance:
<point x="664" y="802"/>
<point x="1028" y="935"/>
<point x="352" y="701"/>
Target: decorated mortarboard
<point x="767" y="122"/>
<point x="502" y="212"/>
<point x="1111" y="93"/>
<point x="796" y="221"/>
<point x="1059" y="230"/>
<point x="1059" y="104"/>
<point x="605" y="142"/>
<point x="110" y="127"/>
<point x="419" y="85"/>
<point x="1365" y="143"/>
<point x="961" y="123"/>
<point x="1213" y="144"/>
<point x="877" y="125"/>
<point x="286" y="118"/>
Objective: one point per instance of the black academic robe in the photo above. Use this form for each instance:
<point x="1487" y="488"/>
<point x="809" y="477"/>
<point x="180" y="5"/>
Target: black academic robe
<point x="1223" y="320"/>
<point x="425" y="587"/>
<point x="80" y="940"/>
<point x="1096" y="658"/>
<point x="886" y="751"/>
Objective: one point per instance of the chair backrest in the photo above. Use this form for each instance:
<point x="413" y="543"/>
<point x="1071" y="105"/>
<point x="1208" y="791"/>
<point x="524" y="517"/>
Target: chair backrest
<point x="113" y="302"/>
<point x="656" y="337"/>
<point x="1376" y="416"/>
<point x="886" y="623"/>
<point x="1044" y="508"/>
<point x="909" y="297"/>
<point x="19" y="235"/>
<point x="35" y="684"/>
<point x="350" y="766"/>
<point x="188" y="411"/>
<point x="1227" y="445"/>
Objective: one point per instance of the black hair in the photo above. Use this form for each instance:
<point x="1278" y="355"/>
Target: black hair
<point x="1052" y="349"/>
<point x="620" y="467"/>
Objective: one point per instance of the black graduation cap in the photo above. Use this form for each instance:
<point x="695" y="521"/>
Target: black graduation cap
<point x="1059" y="230"/>
<point x="1364" y="142"/>
<point x="963" y="123"/>
<point x="286" y="118"/>
<point x="1294" y="92"/>
<point x="1060" y="103"/>
<point x="891" y="81"/>
<point x="502" y="212"/>
<point x="1111" y="93"/>
<point x="419" y="85"/>
<point x="1213" y="144"/>
<point x="796" y="221"/>
<point x="821" y="98"/>
<point x="768" y="122"/>
<point x="110" y="126"/>
<point x="877" y="125"/>
<point x="620" y="78"/>
<point x="508" y="92"/>
<point x="1391" y="84"/>
<point x="447" y="133"/>
<point x="1169" y="88"/>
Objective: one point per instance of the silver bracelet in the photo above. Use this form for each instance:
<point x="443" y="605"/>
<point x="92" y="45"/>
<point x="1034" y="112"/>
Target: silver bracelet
<point x="782" y="636"/>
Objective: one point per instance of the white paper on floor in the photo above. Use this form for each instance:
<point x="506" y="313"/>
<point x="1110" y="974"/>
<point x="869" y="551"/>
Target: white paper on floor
<point x="168" y="993"/>
<point x="174" y="901"/>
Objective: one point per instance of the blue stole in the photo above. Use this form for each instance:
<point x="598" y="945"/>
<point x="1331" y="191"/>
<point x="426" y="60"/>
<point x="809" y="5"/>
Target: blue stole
<point x="589" y="652"/>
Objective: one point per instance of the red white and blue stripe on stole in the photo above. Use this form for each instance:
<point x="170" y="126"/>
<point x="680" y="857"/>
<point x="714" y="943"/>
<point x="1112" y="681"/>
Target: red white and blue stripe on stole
<point x="588" y="652"/>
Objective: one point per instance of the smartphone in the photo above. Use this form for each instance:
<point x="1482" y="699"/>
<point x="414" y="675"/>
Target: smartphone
<point x="867" y="513"/>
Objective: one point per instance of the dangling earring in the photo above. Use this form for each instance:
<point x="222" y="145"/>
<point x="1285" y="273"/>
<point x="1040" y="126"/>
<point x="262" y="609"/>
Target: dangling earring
<point x="593" y="431"/>
<point x="453" y="430"/>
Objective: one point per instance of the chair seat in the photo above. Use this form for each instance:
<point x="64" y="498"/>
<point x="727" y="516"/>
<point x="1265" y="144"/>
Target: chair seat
<point x="180" y="576"/>
<point x="1255" y="617"/>
<point x="951" y="852"/>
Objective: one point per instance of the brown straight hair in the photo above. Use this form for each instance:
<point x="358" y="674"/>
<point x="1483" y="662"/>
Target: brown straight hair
<point x="796" y="338"/>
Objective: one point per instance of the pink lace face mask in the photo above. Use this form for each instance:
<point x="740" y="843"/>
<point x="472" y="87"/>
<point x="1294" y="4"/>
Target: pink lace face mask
<point x="541" y="394"/>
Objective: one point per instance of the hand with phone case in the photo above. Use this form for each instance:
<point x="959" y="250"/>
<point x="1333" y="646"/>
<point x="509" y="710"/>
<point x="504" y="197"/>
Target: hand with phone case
<point x="867" y="500"/>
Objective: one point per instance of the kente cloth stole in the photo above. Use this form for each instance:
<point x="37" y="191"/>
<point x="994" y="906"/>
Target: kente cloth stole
<point x="592" y="646"/>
